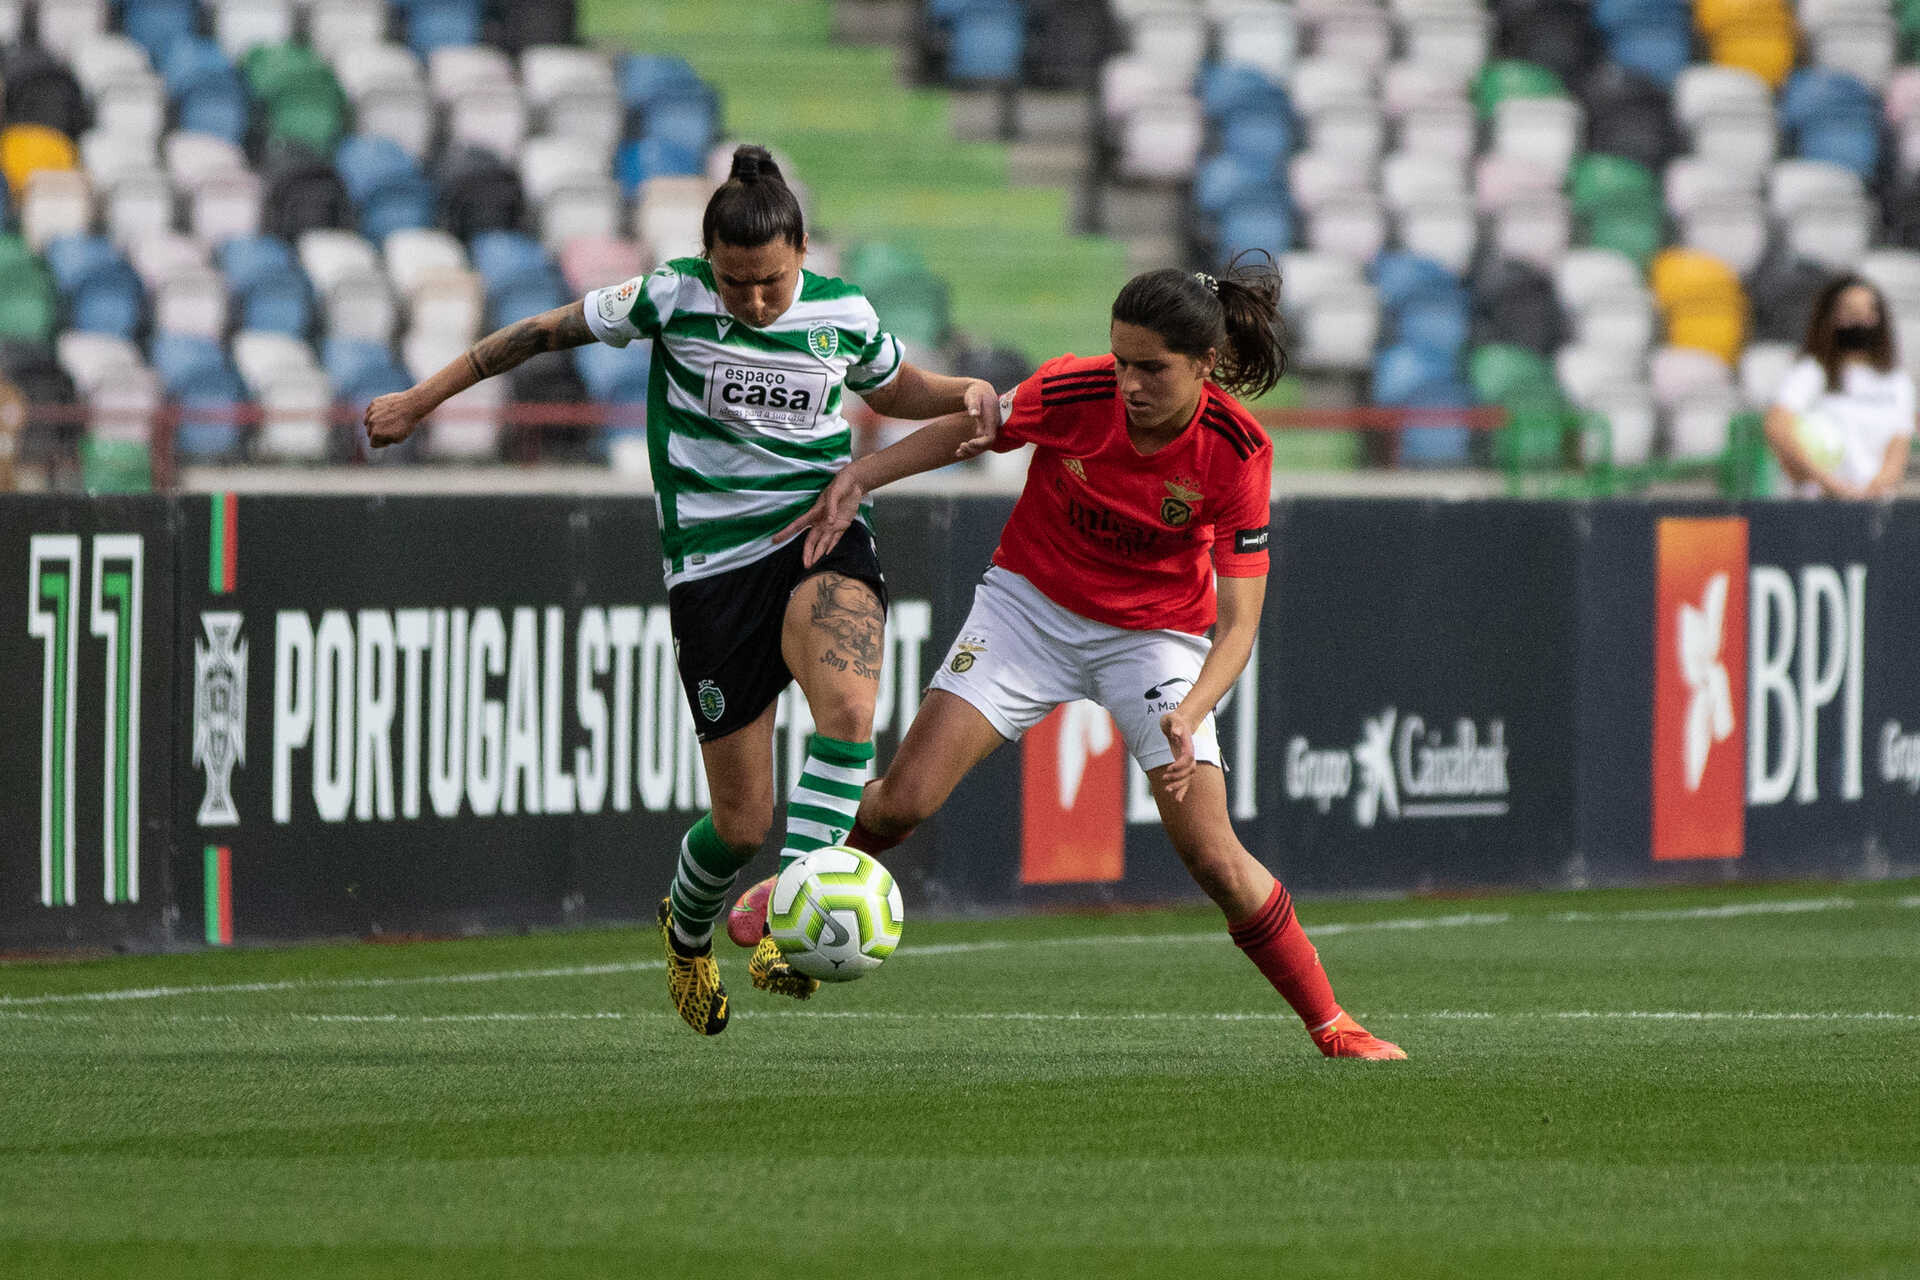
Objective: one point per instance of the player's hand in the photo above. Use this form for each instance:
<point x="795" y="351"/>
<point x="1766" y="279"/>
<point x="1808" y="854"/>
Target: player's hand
<point x="392" y="418"/>
<point x="1179" y="774"/>
<point x="983" y="406"/>
<point x="828" y="518"/>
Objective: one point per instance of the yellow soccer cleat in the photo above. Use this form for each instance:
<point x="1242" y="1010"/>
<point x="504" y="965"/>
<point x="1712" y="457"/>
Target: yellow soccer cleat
<point x="771" y="972"/>
<point x="693" y="981"/>
<point x="1345" y="1038"/>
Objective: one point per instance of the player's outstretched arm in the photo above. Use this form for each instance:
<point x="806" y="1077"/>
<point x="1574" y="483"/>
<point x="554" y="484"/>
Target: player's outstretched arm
<point x="914" y="393"/>
<point x="392" y="418"/>
<point x="935" y="445"/>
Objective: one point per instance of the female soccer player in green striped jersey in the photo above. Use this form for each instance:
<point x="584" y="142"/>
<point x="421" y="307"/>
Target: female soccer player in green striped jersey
<point x="752" y="356"/>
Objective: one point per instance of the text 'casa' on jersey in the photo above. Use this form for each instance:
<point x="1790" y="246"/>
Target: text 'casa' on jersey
<point x="1130" y="539"/>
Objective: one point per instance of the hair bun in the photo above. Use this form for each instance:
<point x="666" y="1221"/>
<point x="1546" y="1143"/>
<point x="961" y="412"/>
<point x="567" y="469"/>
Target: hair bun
<point x="751" y="164"/>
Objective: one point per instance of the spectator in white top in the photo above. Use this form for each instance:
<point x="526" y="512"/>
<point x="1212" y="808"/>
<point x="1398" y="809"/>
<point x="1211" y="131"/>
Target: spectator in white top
<point x="1843" y="418"/>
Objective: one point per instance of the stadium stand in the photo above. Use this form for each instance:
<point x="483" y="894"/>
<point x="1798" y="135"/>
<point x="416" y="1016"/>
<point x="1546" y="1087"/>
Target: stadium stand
<point x="1639" y="195"/>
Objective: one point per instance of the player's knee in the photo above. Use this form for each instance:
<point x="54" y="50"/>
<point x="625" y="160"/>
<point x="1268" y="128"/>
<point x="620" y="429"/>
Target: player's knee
<point x="893" y="806"/>
<point x="742" y="825"/>
<point x="843" y="714"/>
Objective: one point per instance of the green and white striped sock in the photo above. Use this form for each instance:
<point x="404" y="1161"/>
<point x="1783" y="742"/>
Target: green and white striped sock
<point x="820" y="810"/>
<point x="703" y="882"/>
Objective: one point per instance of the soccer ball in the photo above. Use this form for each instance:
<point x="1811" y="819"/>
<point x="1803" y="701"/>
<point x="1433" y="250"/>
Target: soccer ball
<point x="835" y="914"/>
<point x="1820" y="439"/>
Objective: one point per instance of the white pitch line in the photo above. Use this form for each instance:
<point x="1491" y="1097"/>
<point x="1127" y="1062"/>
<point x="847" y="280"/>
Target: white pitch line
<point x="1325" y="930"/>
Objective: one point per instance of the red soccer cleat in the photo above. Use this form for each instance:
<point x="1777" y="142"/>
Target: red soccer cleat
<point x="1345" y="1038"/>
<point x="747" y="922"/>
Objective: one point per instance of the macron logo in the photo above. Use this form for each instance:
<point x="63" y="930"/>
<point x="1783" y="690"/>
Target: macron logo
<point x="1709" y="717"/>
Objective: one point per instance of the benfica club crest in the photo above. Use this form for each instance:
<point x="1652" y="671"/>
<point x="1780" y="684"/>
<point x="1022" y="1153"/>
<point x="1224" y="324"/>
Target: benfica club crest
<point x="1177" y="507"/>
<point x="219" y="713"/>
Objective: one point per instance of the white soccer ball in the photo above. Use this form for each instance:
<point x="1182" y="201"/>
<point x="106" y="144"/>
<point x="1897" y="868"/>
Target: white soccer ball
<point x="1820" y="439"/>
<point x="835" y="914"/>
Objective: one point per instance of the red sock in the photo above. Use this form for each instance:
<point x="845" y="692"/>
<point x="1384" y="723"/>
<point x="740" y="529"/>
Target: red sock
<point x="1278" y="947"/>
<point x="867" y="842"/>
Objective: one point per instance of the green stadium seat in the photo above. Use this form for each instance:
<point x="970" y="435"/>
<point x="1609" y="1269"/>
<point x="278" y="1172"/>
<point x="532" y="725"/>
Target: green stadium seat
<point x="1605" y="180"/>
<point x="1627" y="228"/>
<point x="914" y="308"/>
<point x="1513" y="377"/>
<point x="115" y="466"/>
<point x="302" y="100"/>
<point x="1512" y="78"/>
<point x="29" y="305"/>
<point x="873" y="264"/>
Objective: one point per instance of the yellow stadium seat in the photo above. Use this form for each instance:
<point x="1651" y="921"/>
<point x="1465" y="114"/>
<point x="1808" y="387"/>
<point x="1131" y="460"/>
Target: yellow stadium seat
<point x="1719" y="328"/>
<point x="1767" y="53"/>
<point x="28" y="148"/>
<point x="1712" y="17"/>
<point x="1688" y="277"/>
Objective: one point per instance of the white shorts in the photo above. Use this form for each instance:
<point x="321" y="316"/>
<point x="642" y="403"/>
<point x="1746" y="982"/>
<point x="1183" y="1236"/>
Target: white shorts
<point x="1020" y="655"/>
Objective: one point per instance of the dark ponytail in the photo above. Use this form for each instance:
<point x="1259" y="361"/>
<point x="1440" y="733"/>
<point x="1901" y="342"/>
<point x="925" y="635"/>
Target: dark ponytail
<point x="753" y="206"/>
<point x="1236" y="315"/>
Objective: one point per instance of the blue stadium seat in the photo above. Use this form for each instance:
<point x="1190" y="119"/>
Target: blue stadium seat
<point x="1399" y="277"/>
<point x="644" y="158"/>
<point x="1613" y="15"/>
<point x="198" y="375"/>
<point x="522" y="298"/>
<point x="1812" y="93"/>
<point x="207" y="90"/>
<point x="645" y="76"/>
<point x="508" y="258"/>
<point x="1658" y="48"/>
<point x="687" y="116"/>
<point x="1263" y="134"/>
<point x="157" y="23"/>
<point x="269" y="285"/>
<point x="365" y="163"/>
<point x="361" y="370"/>
<point x="1262" y="220"/>
<point x="1403" y="373"/>
<point x="1228" y="87"/>
<point x="101" y="291"/>
<point x="988" y="40"/>
<point x="434" y="24"/>
<point x="615" y="374"/>
<point x="1851" y="143"/>
<point x="1227" y="177"/>
<point x="406" y="204"/>
<point x="1439" y="320"/>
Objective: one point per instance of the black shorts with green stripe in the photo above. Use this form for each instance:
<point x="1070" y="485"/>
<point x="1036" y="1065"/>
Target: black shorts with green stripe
<point x="726" y="628"/>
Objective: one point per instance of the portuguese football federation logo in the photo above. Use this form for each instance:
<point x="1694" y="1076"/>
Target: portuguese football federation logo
<point x="713" y="703"/>
<point x="1177" y="507"/>
<point x="823" y="340"/>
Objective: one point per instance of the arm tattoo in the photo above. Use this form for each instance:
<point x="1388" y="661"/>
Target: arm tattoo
<point x="519" y="342"/>
<point x="847" y="610"/>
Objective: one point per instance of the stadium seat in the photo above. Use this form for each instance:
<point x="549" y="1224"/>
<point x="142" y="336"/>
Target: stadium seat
<point x="1658" y="47"/>
<point x="460" y="69"/>
<point x="261" y="357"/>
<point x="29" y="305"/>
<point x="27" y="149"/>
<point x="1440" y="319"/>
<point x="135" y="103"/>
<point x="100" y="291"/>
<point x="590" y="263"/>
<point x="198" y="375"/>
<point x="100" y="60"/>
<point x="1407" y="375"/>
<point x="400" y="111"/>
<point x="1509" y="78"/>
<point x="1454" y="40"/>
<point x="240" y="25"/>
<point x="1314" y="178"/>
<point x="303" y="193"/>
<point x="56" y="202"/>
<point x="438" y="24"/>
<point x="1408" y="177"/>
<point x="615" y="374"/>
<point x="359" y="304"/>
<point x="1586" y="373"/>
<point x="1735" y="230"/>
<point x="688" y="117"/>
<point x="155" y="24"/>
<point x="986" y="42"/>
<point x="137" y="203"/>
<point x="359" y="371"/>
<point x="1256" y="221"/>
<point x="478" y="193"/>
<point x="92" y="360"/>
<point x="1445" y="230"/>
<point x="296" y="417"/>
<point x="1763" y="367"/>
<point x="1835" y="233"/>
<point x="40" y="90"/>
<point x="1401" y="278"/>
<point x="1534" y="229"/>
<point x="224" y="207"/>
<point x="450" y="301"/>
<point x="337" y="26"/>
<point x="490" y="120"/>
<point x="1692" y="182"/>
<point x="644" y="158"/>
<point x="1556" y="35"/>
<point x="192" y="301"/>
<point x="1628" y="115"/>
<point x="64" y="27"/>
<point x="588" y="209"/>
<point x="525" y="24"/>
<point x="1584" y="275"/>
<point x="107" y="157"/>
<point x="411" y="253"/>
<point x="159" y="255"/>
<point x="553" y="161"/>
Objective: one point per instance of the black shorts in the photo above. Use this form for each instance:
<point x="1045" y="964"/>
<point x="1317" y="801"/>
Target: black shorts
<point x="726" y="629"/>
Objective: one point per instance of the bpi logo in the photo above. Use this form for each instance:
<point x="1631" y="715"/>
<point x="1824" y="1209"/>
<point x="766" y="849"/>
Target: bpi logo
<point x="1734" y="640"/>
<point x="1699" y="683"/>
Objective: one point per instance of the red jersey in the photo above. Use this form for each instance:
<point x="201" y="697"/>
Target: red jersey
<point x="1130" y="539"/>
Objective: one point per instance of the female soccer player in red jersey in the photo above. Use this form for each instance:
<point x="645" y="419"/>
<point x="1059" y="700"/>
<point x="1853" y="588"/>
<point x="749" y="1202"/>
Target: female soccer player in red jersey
<point x="1148" y="481"/>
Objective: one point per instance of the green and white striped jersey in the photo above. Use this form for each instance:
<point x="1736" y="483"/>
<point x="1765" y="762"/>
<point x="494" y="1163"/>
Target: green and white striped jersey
<point x="743" y="425"/>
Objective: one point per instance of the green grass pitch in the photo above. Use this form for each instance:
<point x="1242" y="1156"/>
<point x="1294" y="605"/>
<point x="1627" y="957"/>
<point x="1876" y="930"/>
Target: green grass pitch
<point x="1672" y="1083"/>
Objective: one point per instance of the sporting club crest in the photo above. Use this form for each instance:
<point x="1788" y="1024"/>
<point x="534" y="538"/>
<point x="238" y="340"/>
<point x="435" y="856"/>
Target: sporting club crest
<point x="219" y="714"/>
<point x="823" y="340"/>
<point x="713" y="703"/>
